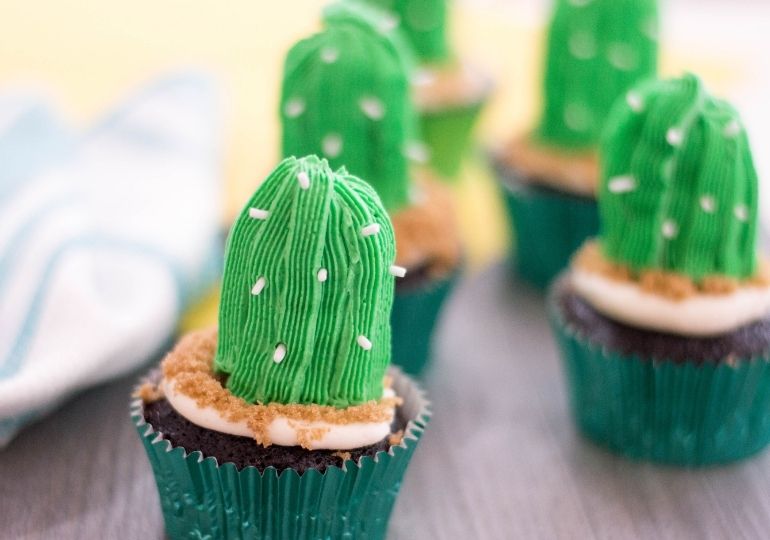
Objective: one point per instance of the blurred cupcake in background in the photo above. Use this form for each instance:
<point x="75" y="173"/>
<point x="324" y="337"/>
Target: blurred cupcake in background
<point x="282" y="422"/>
<point x="596" y="50"/>
<point x="346" y="97"/>
<point x="664" y="320"/>
<point x="449" y="91"/>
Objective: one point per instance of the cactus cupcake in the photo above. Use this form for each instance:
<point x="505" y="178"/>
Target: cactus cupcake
<point x="596" y="50"/>
<point x="449" y="92"/>
<point x="664" y="320"/>
<point x="252" y="430"/>
<point x="346" y="97"/>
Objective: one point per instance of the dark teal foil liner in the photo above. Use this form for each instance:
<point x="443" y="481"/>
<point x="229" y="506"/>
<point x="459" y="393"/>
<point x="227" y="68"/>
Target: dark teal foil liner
<point x="201" y="498"/>
<point x="549" y="226"/>
<point x="413" y="320"/>
<point x="677" y="413"/>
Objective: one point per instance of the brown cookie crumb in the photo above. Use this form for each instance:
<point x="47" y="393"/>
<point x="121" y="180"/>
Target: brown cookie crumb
<point x="396" y="438"/>
<point x="344" y="456"/>
<point x="148" y="392"/>
<point x="189" y="367"/>
<point x="670" y="285"/>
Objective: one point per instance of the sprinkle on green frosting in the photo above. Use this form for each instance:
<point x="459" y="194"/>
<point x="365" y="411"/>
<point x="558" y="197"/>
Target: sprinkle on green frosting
<point x="346" y="97"/>
<point x="596" y="50"/>
<point x="307" y="290"/>
<point x="424" y="23"/>
<point x="679" y="188"/>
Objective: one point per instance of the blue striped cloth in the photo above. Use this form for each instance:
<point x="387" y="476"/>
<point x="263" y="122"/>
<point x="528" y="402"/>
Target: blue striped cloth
<point x="105" y="237"/>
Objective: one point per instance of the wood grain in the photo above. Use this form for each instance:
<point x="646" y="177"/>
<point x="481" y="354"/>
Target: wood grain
<point x="500" y="459"/>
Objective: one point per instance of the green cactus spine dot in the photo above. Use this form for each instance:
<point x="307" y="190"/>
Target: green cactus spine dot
<point x="346" y="97"/>
<point x="679" y="189"/>
<point x="424" y="22"/>
<point x="307" y="290"/>
<point x="596" y="50"/>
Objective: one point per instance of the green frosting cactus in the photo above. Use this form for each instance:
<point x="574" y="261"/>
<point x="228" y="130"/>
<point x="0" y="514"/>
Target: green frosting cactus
<point x="596" y="50"/>
<point x="424" y="22"/>
<point x="307" y="290"/>
<point x="346" y="97"/>
<point x="679" y="188"/>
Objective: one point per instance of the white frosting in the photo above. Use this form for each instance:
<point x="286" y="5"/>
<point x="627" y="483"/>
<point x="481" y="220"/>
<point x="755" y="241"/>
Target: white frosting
<point x="699" y="315"/>
<point x="283" y="431"/>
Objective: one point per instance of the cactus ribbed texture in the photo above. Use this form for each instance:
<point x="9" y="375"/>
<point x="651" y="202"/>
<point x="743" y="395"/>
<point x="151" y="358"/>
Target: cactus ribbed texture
<point x="679" y="188"/>
<point x="596" y="50"/>
<point x="346" y="97"/>
<point x="307" y="293"/>
<point x="424" y="22"/>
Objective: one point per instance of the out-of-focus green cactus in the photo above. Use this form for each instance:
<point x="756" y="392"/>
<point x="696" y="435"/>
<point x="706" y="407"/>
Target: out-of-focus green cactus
<point x="596" y="50"/>
<point x="679" y="188"/>
<point x="424" y="22"/>
<point x="307" y="290"/>
<point x="346" y="97"/>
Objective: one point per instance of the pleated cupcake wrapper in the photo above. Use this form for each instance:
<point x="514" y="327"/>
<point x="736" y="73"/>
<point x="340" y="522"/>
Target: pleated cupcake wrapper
<point x="447" y="132"/>
<point x="679" y="413"/>
<point x="548" y="227"/>
<point x="413" y="320"/>
<point x="201" y="498"/>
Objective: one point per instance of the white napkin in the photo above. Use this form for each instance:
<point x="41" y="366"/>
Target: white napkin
<point x="104" y="238"/>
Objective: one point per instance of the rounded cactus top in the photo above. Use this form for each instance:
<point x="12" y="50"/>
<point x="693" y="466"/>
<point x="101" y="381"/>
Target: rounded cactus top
<point x="679" y="188"/>
<point x="307" y="290"/>
<point x="596" y="50"/>
<point x="424" y="22"/>
<point x="346" y="97"/>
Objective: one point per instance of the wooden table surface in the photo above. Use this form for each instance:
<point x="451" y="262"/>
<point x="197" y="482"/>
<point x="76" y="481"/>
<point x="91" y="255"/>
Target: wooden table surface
<point x="499" y="460"/>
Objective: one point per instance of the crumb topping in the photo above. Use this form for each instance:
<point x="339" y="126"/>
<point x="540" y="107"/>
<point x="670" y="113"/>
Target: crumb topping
<point x="670" y="285"/>
<point x="190" y="367"/>
<point x="148" y="392"/>
<point x="426" y="230"/>
<point x="396" y="438"/>
<point x="574" y="172"/>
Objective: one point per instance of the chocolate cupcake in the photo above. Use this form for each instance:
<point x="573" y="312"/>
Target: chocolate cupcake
<point x="282" y="423"/>
<point x="595" y="52"/>
<point x="346" y="96"/>
<point x="449" y="91"/>
<point x="664" y="320"/>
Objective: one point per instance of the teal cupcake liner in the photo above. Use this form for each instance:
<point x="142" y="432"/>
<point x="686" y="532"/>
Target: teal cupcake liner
<point x="201" y="498"/>
<point x="413" y="320"/>
<point x="685" y="413"/>
<point x="448" y="132"/>
<point x="549" y="226"/>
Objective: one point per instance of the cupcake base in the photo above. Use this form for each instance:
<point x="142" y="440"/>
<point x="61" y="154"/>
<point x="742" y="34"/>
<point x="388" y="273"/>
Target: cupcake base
<point x="669" y="399"/>
<point x="416" y="309"/>
<point x="549" y="225"/>
<point x="202" y="497"/>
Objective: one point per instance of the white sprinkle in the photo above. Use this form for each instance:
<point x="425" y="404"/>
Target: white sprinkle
<point x="582" y="46"/>
<point x="364" y="343"/>
<point x="577" y="117"/>
<point x="670" y="229"/>
<point x="371" y="229"/>
<point x="622" y="56"/>
<point x="294" y="107"/>
<point x="650" y="28"/>
<point x="423" y="77"/>
<point x="388" y="23"/>
<point x="634" y="101"/>
<point x="330" y="54"/>
<point x="621" y="184"/>
<point x="303" y="179"/>
<point x="280" y="353"/>
<point x="732" y="129"/>
<point x="398" y="271"/>
<point x="323" y="275"/>
<point x="741" y="212"/>
<point x="258" y="286"/>
<point x="258" y="213"/>
<point x="332" y="145"/>
<point x="674" y="136"/>
<point x="417" y="152"/>
<point x="372" y="107"/>
<point x="708" y="204"/>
